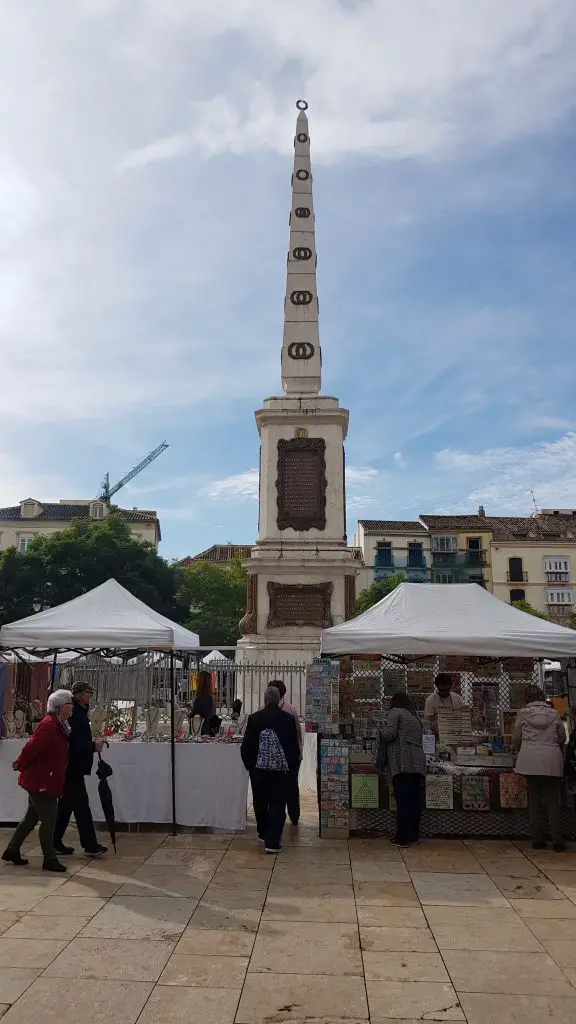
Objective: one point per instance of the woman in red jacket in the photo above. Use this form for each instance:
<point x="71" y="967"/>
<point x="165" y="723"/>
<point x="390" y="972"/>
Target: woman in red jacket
<point x="42" y="766"/>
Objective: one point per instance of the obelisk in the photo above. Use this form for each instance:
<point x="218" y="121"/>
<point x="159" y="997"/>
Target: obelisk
<point x="301" y="573"/>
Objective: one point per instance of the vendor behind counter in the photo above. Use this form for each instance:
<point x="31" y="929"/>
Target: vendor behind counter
<point x="442" y="697"/>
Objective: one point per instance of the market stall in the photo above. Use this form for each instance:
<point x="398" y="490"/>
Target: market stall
<point x="491" y="650"/>
<point x="160" y="773"/>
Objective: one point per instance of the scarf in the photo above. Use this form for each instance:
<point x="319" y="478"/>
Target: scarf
<point x="64" y="725"/>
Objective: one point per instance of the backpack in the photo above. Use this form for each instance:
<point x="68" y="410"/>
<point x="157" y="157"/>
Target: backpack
<point x="271" y="756"/>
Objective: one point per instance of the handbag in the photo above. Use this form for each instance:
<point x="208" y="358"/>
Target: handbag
<point x="381" y="761"/>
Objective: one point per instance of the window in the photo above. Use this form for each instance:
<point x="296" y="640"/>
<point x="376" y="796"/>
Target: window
<point x="415" y="557"/>
<point x="384" y="555"/>
<point x="556" y="565"/>
<point x="24" y="543"/>
<point x="443" y="577"/>
<point x="515" y="571"/>
<point x="97" y="511"/>
<point x="517" y="595"/>
<point x="444" y="543"/>
<point x="28" y="509"/>
<point x="559" y="597"/>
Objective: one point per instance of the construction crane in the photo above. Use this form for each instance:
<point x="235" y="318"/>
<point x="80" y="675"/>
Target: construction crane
<point x="108" y="491"/>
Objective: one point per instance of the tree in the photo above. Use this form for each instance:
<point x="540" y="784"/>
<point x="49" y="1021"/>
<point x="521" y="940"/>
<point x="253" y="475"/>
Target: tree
<point x="216" y="597"/>
<point x="80" y="558"/>
<point x="376" y="591"/>
<point x="525" y="606"/>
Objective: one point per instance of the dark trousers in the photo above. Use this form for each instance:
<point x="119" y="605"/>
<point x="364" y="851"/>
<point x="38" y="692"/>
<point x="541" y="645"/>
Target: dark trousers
<point x="269" y="791"/>
<point x="75" y="801"/>
<point x="408" y="794"/>
<point x="43" y="809"/>
<point x="293" y="796"/>
<point x="544" y="792"/>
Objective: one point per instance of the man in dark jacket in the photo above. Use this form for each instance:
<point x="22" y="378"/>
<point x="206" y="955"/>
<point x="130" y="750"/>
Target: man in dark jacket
<point x="270" y="752"/>
<point x="75" y="798"/>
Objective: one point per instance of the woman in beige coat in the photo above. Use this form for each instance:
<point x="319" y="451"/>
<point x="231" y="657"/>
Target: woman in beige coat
<point x="540" y="734"/>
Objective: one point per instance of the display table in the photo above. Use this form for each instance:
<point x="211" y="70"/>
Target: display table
<point x="211" y="784"/>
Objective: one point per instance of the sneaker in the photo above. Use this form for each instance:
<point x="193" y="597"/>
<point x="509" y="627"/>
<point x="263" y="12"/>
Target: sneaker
<point x="401" y="846"/>
<point x="273" y="849"/>
<point x="539" y="846"/>
<point x="98" y="851"/>
<point x="260" y="840"/>
<point x="294" y="823"/>
<point x="14" y="857"/>
<point x="64" y="851"/>
<point x="559" y="847"/>
<point x="53" y="865"/>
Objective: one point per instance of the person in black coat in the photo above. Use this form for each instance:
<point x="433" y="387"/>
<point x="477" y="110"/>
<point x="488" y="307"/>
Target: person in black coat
<point x="270" y="752"/>
<point x="75" y="800"/>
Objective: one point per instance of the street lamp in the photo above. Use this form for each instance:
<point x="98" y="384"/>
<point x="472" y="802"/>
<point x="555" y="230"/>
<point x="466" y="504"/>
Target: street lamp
<point x="43" y="602"/>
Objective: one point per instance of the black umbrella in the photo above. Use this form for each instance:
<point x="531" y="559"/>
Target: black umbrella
<point x="104" y="772"/>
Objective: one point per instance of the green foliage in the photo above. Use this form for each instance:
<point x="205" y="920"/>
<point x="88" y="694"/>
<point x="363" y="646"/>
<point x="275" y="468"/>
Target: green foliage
<point x="525" y="606"/>
<point x="80" y="558"/>
<point x="376" y="591"/>
<point x="216" y="597"/>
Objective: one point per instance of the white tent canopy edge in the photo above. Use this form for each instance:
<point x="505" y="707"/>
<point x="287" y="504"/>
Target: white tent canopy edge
<point x="420" y="619"/>
<point x="108" y="616"/>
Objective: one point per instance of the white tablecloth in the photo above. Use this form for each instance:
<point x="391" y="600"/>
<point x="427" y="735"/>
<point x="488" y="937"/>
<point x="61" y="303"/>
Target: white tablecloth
<point x="211" y="784"/>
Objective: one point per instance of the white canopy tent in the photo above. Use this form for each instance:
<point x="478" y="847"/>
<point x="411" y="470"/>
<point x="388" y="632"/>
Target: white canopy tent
<point x="421" y="619"/>
<point x="108" y="616"/>
<point x="216" y="656"/>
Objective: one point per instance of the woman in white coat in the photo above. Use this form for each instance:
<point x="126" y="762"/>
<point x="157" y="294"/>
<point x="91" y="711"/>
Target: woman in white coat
<point x="540" y="734"/>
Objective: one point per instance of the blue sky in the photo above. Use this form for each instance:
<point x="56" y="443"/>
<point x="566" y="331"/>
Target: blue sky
<point x="145" y="160"/>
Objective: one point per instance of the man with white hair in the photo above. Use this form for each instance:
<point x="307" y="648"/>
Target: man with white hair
<point x="270" y="752"/>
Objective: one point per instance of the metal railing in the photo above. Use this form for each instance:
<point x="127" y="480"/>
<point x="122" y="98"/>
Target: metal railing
<point x="520" y="576"/>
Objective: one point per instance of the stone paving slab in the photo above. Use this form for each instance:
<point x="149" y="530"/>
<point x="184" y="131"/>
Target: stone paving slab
<point x="209" y="928"/>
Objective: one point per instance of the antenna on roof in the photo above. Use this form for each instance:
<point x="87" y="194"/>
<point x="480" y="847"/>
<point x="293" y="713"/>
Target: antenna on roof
<point x="536" y="509"/>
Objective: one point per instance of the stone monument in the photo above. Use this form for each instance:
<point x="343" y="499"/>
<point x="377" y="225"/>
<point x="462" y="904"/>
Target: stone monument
<point x="301" y="572"/>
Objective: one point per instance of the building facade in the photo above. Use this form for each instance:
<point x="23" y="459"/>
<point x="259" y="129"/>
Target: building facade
<point x="23" y="523"/>
<point x="515" y="558"/>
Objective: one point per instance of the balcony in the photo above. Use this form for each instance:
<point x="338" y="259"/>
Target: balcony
<point x="520" y="576"/>
<point x="459" y="559"/>
<point x="415" y="571"/>
<point x="557" y="577"/>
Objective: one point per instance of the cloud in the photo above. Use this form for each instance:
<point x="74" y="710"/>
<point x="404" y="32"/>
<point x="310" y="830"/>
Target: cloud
<point x="358" y="475"/>
<point x="230" y="488"/>
<point x="502" y="478"/>
<point x="415" y="80"/>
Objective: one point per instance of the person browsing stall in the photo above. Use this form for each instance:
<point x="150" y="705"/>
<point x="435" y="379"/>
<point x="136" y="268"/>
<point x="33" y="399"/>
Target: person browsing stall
<point x="443" y="697"/>
<point x="74" y="800"/>
<point x="293" y="793"/>
<point x="270" y="753"/>
<point x="540" y="734"/>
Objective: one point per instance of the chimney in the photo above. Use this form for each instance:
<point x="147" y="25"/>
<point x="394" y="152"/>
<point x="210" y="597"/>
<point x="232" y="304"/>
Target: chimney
<point x="482" y="512"/>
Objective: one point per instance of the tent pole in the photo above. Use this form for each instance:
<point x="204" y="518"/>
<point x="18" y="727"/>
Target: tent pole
<point x="53" y="673"/>
<point x="172" y="743"/>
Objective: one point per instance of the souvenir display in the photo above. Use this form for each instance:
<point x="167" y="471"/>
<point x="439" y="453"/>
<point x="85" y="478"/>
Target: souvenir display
<point x="334" y="783"/>
<point x="322" y="697"/>
<point x="475" y="793"/>
<point x="439" y="792"/>
<point x="364" y="790"/>
<point x="513" y="790"/>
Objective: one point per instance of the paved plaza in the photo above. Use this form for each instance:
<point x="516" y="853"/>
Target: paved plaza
<point x="210" y="929"/>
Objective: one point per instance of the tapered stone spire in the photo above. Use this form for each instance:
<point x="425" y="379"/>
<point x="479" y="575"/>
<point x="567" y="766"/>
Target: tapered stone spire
<point x="301" y="356"/>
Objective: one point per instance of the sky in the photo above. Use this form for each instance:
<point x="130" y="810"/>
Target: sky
<point x="145" y="162"/>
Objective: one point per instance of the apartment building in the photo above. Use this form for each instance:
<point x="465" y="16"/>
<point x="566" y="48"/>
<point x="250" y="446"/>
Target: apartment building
<point x="21" y="524"/>
<point x="516" y="558"/>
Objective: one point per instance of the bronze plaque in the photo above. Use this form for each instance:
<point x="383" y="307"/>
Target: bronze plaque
<point x="350" y="597"/>
<point x="299" y="604"/>
<point x="301" y="484"/>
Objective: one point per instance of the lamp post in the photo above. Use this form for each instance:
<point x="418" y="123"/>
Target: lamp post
<point x="44" y="601"/>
